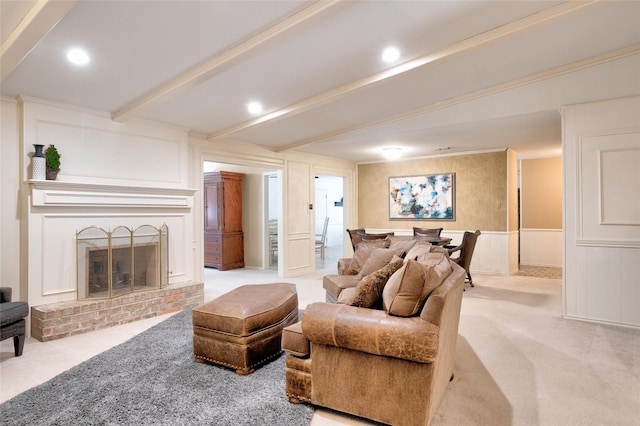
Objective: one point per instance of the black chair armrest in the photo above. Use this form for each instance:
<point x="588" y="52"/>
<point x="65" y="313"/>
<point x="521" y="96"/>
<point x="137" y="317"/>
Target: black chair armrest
<point x="453" y="249"/>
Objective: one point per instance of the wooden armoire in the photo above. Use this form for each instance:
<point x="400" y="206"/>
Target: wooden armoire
<point x="223" y="236"/>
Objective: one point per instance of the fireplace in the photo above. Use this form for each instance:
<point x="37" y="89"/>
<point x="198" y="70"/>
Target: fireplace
<point x="113" y="263"/>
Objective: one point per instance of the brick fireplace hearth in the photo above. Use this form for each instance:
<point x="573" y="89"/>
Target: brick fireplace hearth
<point x="62" y="319"/>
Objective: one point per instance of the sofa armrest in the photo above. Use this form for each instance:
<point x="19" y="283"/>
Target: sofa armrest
<point x="372" y="331"/>
<point x="5" y="294"/>
<point x="343" y="266"/>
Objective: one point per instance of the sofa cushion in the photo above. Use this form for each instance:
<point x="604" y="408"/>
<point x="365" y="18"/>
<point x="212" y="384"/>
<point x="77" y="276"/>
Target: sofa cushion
<point x="407" y="289"/>
<point x="336" y="284"/>
<point x="379" y="258"/>
<point x="12" y="312"/>
<point x="347" y="296"/>
<point x="438" y="268"/>
<point x="293" y="340"/>
<point x="419" y="249"/>
<point x="363" y="251"/>
<point x="403" y="294"/>
<point x="400" y="245"/>
<point x="368" y="292"/>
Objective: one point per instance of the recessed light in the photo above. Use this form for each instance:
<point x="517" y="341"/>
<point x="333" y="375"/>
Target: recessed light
<point x="390" y="54"/>
<point x="254" y="107"/>
<point x="391" y="153"/>
<point x="78" y="56"/>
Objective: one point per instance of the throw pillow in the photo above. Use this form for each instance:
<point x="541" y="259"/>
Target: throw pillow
<point x="379" y="258"/>
<point x="403" y="295"/>
<point x="401" y="245"/>
<point x="363" y="251"/>
<point x="438" y="268"/>
<point x="419" y="249"/>
<point x="369" y="290"/>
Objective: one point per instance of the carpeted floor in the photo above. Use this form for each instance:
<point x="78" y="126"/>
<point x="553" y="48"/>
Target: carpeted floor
<point x="152" y="379"/>
<point x="518" y="361"/>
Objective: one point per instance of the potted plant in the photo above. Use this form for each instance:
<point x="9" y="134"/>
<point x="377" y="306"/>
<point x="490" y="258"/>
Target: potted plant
<point x="52" y="157"/>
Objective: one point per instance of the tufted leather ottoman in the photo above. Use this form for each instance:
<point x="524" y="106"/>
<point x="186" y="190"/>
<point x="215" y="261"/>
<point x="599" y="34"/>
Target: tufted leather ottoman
<point x="242" y="329"/>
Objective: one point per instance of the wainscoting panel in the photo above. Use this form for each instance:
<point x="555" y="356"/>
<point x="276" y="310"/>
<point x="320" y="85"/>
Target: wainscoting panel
<point x="606" y="288"/>
<point x="601" y="149"/>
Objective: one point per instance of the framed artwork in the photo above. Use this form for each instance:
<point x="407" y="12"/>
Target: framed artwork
<point x="429" y="197"/>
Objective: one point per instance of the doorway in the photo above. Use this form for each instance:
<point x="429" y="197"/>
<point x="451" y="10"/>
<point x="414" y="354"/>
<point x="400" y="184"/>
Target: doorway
<point x="329" y="196"/>
<point x="261" y="195"/>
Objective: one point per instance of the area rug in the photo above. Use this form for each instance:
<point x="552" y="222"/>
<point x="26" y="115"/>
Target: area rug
<point x="152" y="379"/>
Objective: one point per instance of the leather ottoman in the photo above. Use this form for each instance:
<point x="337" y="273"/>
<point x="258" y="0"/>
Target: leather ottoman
<point x="242" y="329"/>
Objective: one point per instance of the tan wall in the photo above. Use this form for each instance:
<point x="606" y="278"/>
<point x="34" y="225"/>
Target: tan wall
<point x="513" y="190"/>
<point x="480" y="191"/>
<point x="541" y="193"/>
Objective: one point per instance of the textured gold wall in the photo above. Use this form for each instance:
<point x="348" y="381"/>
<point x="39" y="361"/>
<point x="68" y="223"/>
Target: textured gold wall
<point x="480" y="191"/>
<point x="512" y="171"/>
<point x="541" y="192"/>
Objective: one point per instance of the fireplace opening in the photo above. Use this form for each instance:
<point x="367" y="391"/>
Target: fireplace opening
<point x="114" y="263"/>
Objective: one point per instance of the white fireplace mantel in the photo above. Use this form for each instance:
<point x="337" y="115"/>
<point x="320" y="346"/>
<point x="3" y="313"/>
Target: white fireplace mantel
<point x="58" y="209"/>
<point x="76" y="194"/>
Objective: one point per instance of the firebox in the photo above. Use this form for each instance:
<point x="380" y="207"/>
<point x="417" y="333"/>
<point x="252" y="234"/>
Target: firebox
<point x="120" y="261"/>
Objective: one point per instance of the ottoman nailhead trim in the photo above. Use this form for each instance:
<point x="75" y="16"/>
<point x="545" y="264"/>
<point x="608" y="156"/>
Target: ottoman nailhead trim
<point x="235" y="367"/>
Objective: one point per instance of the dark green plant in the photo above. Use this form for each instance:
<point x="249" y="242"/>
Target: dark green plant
<point x="53" y="158"/>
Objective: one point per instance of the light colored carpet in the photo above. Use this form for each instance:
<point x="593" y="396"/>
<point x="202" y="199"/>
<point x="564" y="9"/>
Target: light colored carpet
<point x="520" y="363"/>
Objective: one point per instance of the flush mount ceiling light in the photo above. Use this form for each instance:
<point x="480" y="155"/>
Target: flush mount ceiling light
<point x="390" y="54"/>
<point x="78" y="56"/>
<point x="254" y="107"/>
<point x="391" y="153"/>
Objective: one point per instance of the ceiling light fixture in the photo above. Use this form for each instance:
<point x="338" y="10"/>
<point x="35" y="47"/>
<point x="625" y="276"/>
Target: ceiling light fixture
<point x="78" y="57"/>
<point x="254" y="107"/>
<point x="391" y="153"/>
<point x="390" y="54"/>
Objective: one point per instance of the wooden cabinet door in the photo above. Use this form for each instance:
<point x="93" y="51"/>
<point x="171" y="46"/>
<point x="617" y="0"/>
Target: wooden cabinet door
<point x="212" y="207"/>
<point x="232" y="196"/>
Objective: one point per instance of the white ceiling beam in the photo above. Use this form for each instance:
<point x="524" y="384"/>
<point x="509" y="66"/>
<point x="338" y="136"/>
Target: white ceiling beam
<point x="215" y="65"/>
<point x="36" y="23"/>
<point x="521" y="25"/>
<point x="468" y="97"/>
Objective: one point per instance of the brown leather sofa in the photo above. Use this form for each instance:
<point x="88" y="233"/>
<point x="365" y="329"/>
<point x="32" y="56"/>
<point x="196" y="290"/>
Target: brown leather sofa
<point x="369" y="363"/>
<point x="350" y="270"/>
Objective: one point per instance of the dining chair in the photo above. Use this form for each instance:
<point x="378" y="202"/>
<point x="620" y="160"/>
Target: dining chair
<point x="427" y="232"/>
<point x="321" y="239"/>
<point x="273" y="240"/>
<point x="354" y="235"/>
<point x="465" y="248"/>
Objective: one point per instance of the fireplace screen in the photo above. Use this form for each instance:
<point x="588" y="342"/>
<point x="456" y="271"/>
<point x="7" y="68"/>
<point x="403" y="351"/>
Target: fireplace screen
<point x="121" y="261"/>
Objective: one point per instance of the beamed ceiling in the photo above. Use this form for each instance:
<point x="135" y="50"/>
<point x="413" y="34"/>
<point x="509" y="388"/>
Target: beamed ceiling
<point x="471" y="76"/>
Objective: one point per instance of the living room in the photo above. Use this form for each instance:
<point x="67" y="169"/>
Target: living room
<point x="126" y="162"/>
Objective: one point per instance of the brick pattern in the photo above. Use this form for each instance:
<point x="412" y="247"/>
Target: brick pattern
<point x="58" y="320"/>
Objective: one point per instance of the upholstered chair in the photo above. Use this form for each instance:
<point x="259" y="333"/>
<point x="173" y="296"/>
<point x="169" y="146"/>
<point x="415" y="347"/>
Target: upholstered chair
<point x="12" y="323"/>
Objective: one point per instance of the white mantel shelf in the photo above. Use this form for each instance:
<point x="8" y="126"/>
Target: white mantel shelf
<point x="77" y="194"/>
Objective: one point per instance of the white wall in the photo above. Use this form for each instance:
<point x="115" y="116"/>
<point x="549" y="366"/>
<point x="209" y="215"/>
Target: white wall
<point x="10" y="275"/>
<point x="601" y="170"/>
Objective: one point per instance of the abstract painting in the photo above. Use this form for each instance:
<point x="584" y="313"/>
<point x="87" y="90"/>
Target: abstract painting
<point x="430" y="197"/>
